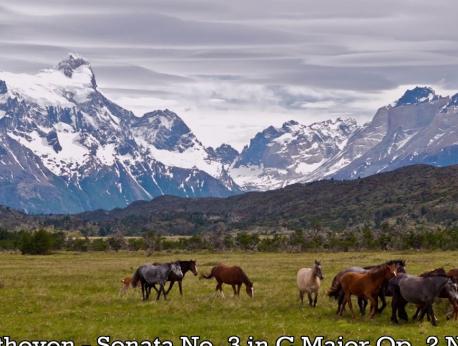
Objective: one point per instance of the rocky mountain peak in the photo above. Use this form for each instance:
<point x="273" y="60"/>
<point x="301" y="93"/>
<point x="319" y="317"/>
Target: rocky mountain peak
<point x="416" y="95"/>
<point x="73" y="62"/>
<point x="3" y="87"/>
<point x="225" y="153"/>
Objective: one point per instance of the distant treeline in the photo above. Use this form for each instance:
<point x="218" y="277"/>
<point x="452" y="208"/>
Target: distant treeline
<point x="386" y="238"/>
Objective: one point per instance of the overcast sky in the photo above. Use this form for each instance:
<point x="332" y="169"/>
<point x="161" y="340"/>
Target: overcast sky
<point x="232" y="68"/>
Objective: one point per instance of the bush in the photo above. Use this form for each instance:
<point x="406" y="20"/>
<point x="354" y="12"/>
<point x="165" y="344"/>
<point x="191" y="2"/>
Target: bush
<point x="36" y="243"/>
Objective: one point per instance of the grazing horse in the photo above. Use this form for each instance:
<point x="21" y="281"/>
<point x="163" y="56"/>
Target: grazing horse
<point x="185" y="267"/>
<point x="420" y="291"/>
<point x="366" y="285"/>
<point x="126" y="283"/>
<point x="149" y="275"/>
<point x="336" y="288"/>
<point x="309" y="280"/>
<point x="233" y="276"/>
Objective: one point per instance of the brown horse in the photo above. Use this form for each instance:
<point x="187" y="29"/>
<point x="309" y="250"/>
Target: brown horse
<point x="366" y="285"/>
<point x="126" y="283"/>
<point x="233" y="276"/>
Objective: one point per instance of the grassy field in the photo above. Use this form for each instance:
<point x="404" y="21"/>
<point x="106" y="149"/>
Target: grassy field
<point x="76" y="296"/>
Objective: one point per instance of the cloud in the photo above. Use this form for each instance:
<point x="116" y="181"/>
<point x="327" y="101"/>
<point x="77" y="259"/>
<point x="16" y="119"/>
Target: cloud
<point x="232" y="68"/>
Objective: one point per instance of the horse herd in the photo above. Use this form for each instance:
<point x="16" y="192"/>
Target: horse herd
<point x="368" y="284"/>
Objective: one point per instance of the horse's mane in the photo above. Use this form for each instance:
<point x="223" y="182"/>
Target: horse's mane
<point x="399" y="262"/>
<point x="435" y="272"/>
<point x="245" y="279"/>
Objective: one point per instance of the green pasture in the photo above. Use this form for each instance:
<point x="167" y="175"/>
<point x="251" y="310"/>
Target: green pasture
<point x="75" y="296"/>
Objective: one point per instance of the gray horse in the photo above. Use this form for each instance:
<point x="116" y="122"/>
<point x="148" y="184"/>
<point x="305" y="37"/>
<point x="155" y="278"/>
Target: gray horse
<point x="149" y="275"/>
<point x="417" y="290"/>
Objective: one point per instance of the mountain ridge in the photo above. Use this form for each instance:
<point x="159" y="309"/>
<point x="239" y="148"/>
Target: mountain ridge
<point x="413" y="196"/>
<point x="60" y="136"/>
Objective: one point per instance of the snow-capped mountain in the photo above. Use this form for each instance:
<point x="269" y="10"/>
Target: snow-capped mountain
<point x="276" y="157"/>
<point x="420" y="127"/>
<point x="64" y="147"/>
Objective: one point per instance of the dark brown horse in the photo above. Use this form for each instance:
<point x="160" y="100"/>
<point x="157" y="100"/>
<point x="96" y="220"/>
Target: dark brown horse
<point x="366" y="285"/>
<point x="233" y="276"/>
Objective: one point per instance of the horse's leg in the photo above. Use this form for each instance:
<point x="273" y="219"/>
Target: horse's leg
<point x="424" y="310"/>
<point x="362" y="303"/>
<point x="340" y="299"/>
<point x="374" y="304"/>
<point x="350" y="306"/>
<point x="158" y="294"/>
<point x="219" y="287"/>
<point x="315" y="299"/>
<point x="402" y="313"/>
<point x="309" y="295"/>
<point x="233" y="288"/>
<point x="433" y="317"/>
<point x="163" y="290"/>
<point x="417" y="312"/>
<point x="301" y="297"/>
<point x="238" y="289"/>
<point x="143" y="291"/>
<point x="148" y="291"/>
<point x="394" y="308"/>
<point x="383" y="299"/>
<point x="180" y="287"/>
<point x="342" y="305"/>
<point x="172" y="282"/>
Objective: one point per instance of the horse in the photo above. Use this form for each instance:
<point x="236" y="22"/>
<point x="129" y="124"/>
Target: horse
<point x="336" y="288"/>
<point x="444" y="293"/>
<point x="309" y="280"/>
<point x="126" y="283"/>
<point x="367" y="285"/>
<point x="149" y="275"/>
<point x="233" y="276"/>
<point x="418" y="290"/>
<point x="185" y="267"/>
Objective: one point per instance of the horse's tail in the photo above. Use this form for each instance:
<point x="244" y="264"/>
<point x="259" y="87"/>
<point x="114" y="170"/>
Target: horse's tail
<point x="136" y="278"/>
<point x="333" y="292"/>
<point x="209" y="276"/>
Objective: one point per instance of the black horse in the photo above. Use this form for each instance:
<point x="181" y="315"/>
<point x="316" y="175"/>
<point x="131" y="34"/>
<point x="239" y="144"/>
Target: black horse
<point x="172" y="278"/>
<point x="337" y="292"/>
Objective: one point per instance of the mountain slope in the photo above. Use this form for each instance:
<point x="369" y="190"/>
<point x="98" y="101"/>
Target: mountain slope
<point x="60" y="135"/>
<point x="410" y="195"/>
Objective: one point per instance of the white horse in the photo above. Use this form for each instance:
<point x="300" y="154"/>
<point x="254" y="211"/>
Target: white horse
<point x="309" y="281"/>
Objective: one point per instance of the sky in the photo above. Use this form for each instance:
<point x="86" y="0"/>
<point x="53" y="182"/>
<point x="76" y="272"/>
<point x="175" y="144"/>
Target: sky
<point x="233" y="68"/>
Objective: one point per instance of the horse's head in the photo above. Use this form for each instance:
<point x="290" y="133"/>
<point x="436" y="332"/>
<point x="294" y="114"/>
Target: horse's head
<point x="317" y="270"/>
<point x="175" y="268"/>
<point x="390" y="270"/>
<point x="193" y="267"/>
<point x="250" y="289"/>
